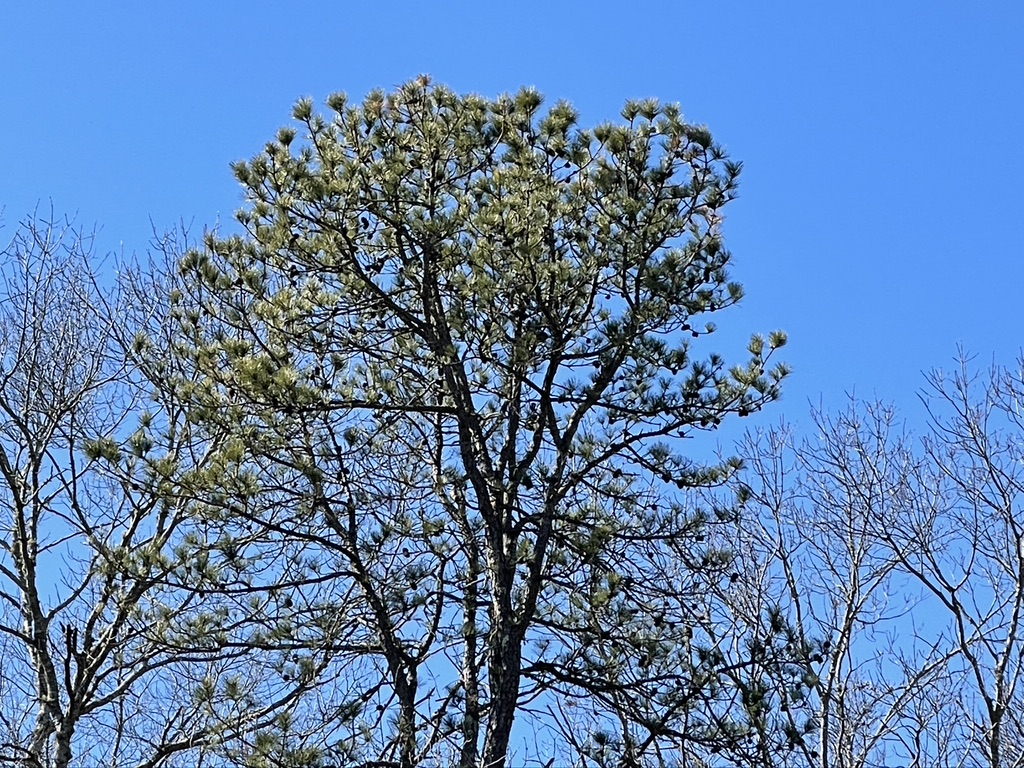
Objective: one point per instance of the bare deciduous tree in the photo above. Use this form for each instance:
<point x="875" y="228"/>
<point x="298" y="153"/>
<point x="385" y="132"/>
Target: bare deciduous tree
<point x="896" y="562"/>
<point x="96" y="590"/>
<point x="962" y="542"/>
<point x="810" y="528"/>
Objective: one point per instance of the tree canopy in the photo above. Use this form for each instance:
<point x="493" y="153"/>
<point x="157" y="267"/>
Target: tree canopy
<point x="109" y="647"/>
<point x="444" y="375"/>
<point x="399" y="475"/>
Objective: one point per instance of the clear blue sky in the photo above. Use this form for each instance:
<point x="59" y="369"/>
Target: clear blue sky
<point x="880" y="221"/>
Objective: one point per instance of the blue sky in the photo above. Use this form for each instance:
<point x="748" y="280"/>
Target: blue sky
<point x="880" y="219"/>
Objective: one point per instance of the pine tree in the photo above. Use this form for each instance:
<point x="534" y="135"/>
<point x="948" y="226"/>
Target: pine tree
<point x="448" y="368"/>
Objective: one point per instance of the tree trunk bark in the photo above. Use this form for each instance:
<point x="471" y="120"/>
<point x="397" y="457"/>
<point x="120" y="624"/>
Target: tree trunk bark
<point x="504" y="674"/>
<point x="470" y="668"/>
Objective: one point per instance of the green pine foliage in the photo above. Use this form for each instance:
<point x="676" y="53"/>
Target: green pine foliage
<point x="444" y="378"/>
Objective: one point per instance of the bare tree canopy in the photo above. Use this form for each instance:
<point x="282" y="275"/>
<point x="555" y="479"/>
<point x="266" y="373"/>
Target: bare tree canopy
<point x="107" y="646"/>
<point x="899" y="557"/>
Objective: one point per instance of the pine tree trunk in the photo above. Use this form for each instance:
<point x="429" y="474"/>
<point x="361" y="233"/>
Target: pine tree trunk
<point x="504" y="674"/>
